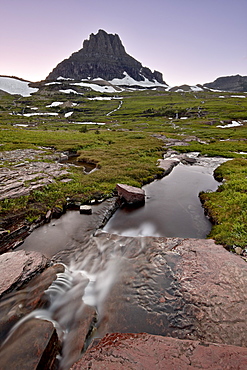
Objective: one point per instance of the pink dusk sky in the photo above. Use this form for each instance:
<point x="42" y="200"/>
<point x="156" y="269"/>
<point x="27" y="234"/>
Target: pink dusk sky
<point x="189" y="41"/>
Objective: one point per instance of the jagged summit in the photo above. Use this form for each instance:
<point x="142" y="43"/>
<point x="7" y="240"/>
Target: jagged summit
<point x="107" y="44"/>
<point x="103" y="56"/>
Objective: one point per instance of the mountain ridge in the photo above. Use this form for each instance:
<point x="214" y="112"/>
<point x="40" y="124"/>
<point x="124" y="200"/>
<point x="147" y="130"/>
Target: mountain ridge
<point x="103" y="56"/>
<point x="234" y="83"/>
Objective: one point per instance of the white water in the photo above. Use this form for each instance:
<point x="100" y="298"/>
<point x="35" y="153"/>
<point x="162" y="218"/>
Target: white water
<point x="85" y="282"/>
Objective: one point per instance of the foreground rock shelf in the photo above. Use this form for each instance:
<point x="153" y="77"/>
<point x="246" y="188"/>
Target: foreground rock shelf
<point x="145" y="351"/>
<point x="187" y="297"/>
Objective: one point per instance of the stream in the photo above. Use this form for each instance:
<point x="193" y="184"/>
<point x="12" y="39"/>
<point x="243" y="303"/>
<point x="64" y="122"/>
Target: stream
<point x="101" y="266"/>
<point x="172" y="207"/>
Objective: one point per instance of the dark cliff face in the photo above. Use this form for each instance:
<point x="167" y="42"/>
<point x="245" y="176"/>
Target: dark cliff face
<point x="104" y="56"/>
<point x="229" y="83"/>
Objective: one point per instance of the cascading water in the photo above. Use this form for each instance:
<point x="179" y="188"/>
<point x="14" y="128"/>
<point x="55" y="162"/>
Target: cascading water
<point x="94" y="267"/>
<point x="84" y="283"/>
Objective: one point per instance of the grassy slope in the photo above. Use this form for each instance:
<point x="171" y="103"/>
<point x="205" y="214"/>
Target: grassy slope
<point x="125" y="149"/>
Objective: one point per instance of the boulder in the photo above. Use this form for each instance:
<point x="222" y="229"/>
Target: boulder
<point x="130" y="194"/>
<point x="18" y="267"/>
<point x="145" y="351"/>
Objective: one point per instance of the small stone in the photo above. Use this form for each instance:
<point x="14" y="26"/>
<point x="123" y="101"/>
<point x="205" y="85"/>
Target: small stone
<point x="238" y="250"/>
<point x="86" y="210"/>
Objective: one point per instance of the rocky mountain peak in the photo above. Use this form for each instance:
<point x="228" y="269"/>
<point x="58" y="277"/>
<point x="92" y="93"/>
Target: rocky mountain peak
<point x="103" y="43"/>
<point x="103" y="56"/>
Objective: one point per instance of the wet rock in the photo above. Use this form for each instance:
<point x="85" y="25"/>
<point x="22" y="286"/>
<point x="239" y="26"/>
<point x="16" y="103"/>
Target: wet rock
<point x="18" y="267"/>
<point x="19" y="303"/>
<point x="167" y="165"/>
<point x="76" y="337"/>
<point x="12" y="239"/>
<point x="58" y="211"/>
<point x="33" y="345"/>
<point x="184" y="288"/>
<point x="48" y="216"/>
<point x="130" y="194"/>
<point x="188" y="160"/>
<point x="145" y="351"/>
<point x="86" y="210"/>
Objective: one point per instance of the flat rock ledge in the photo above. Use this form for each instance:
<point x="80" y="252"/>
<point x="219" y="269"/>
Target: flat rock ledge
<point x="144" y="352"/>
<point x="27" y="171"/>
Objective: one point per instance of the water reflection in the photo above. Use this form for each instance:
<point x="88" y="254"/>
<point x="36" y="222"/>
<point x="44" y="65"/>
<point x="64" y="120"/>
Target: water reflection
<point x="172" y="208"/>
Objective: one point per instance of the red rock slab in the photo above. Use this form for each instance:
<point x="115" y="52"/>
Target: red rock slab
<point x="34" y="345"/>
<point x="144" y="352"/>
<point x="130" y="194"/>
<point x="214" y="282"/>
<point x="187" y="289"/>
<point x="15" y="305"/>
<point x="18" y="267"/>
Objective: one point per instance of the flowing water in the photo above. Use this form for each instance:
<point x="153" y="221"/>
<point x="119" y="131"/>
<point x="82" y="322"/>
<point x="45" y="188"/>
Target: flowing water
<point x="116" y="263"/>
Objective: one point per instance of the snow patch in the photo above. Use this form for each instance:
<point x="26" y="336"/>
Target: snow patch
<point x="36" y="114"/>
<point x="233" y="124"/>
<point x="70" y="91"/>
<point x="53" y="83"/>
<point x="64" y="78"/>
<point x="68" y="114"/>
<point x="54" y="104"/>
<point x="196" y="88"/>
<point x="129" y="81"/>
<point x="109" y="89"/>
<point x="238" y="96"/>
<point x="105" y="98"/>
<point x="88" y="123"/>
<point x="14" y="86"/>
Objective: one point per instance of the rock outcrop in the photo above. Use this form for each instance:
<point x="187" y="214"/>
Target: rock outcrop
<point x="103" y="56"/>
<point x="23" y="176"/>
<point x="229" y="83"/>
<point x="145" y="351"/>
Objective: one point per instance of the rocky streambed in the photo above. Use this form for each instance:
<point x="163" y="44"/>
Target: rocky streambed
<point x="86" y="305"/>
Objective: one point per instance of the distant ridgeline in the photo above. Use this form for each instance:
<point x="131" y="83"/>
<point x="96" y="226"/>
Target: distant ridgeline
<point x="229" y="83"/>
<point x="104" y="56"/>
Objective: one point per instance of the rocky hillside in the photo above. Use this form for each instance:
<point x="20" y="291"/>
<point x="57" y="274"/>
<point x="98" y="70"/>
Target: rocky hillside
<point x="103" y="56"/>
<point x="229" y="83"/>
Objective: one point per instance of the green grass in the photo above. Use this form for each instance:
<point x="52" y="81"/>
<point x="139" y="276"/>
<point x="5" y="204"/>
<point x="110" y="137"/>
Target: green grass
<point x="227" y="207"/>
<point x="125" y="149"/>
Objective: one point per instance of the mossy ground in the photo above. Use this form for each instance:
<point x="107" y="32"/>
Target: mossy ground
<point x="125" y="149"/>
